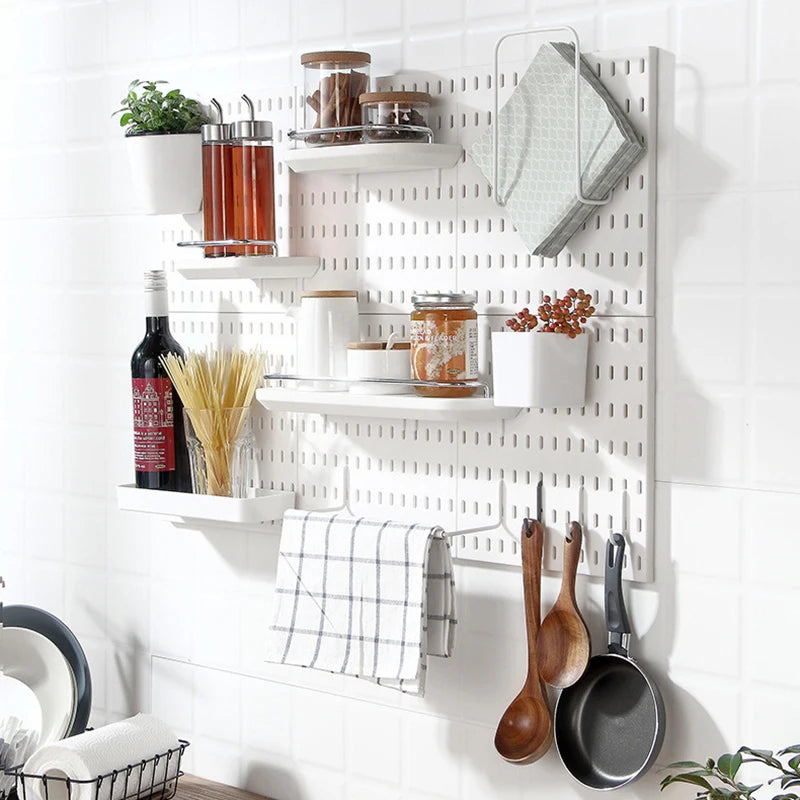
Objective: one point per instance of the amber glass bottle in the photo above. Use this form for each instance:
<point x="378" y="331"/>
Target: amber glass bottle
<point x="217" y="187"/>
<point x="253" y="185"/>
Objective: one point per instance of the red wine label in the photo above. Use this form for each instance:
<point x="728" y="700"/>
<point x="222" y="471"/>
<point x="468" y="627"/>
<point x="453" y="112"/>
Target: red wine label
<point x="153" y="425"/>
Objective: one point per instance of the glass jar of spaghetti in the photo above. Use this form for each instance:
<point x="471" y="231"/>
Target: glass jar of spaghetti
<point x="444" y="342"/>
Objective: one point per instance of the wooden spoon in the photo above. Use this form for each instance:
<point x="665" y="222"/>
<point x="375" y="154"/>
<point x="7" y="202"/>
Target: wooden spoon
<point x="564" y="647"/>
<point x="525" y="731"/>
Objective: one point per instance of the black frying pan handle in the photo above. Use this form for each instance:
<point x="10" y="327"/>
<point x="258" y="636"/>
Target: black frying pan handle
<point x="617" y="623"/>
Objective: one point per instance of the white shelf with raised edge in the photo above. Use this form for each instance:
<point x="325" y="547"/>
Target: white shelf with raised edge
<point x="385" y="406"/>
<point x="252" y="267"/>
<point x="263" y="505"/>
<point x="374" y="157"/>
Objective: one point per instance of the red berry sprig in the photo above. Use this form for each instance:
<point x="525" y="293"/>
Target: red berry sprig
<point x="523" y="321"/>
<point x="565" y="314"/>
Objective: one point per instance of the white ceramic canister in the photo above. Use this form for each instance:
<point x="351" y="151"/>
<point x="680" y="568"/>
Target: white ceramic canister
<point x="326" y="322"/>
<point x="391" y="359"/>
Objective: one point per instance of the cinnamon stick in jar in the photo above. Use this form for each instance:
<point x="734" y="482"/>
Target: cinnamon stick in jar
<point x="334" y="80"/>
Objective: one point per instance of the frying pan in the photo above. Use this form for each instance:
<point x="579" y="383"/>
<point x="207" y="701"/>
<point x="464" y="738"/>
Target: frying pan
<point x="609" y="725"/>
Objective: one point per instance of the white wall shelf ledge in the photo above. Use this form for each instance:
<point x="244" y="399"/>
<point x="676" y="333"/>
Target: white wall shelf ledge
<point x="255" y="267"/>
<point x="263" y="505"/>
<point x="249" y="267"/>
<point x="386" y="406"/>
<point x="374" y="157"/>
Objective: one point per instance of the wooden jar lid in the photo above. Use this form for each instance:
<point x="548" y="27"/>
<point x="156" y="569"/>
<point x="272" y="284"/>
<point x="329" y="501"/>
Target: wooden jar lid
<point x="334" y="57"/>
<point x="377" y="345"/>
<point x="332" y="293"/>
<point x="394" y="97"/>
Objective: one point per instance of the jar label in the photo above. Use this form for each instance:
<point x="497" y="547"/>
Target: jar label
<point x="444" y="350"/>
<point x="153" y="425"/>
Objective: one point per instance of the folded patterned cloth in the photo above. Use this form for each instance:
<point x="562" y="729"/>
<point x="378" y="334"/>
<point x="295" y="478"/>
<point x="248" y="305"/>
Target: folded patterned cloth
<point x="536" y="152"/>
<point x="362" y="597"/>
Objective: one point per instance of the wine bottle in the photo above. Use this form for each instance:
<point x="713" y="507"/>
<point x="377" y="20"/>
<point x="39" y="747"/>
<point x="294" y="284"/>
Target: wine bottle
<point x="159" y="439"/>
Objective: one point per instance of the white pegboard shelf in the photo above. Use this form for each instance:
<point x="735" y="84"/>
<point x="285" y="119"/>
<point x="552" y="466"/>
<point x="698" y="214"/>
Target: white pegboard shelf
<point x="252" y="267"/>
<point x="374" y="157"/>
<point x="264" y="505"/>
<point x="387" y="406"/>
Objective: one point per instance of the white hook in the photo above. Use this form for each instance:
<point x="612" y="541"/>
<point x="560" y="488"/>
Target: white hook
<point x="501" y="517"/>
<point x="625" y="512"/>
<point x="581" y="516"/>
<point x="345" y="495"/>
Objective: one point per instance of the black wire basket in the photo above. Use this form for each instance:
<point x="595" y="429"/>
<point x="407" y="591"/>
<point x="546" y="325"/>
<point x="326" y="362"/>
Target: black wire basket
<point x="155" y="777"/>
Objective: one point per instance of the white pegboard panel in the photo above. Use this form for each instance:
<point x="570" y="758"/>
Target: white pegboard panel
<point x="596" y="463"/>
<point x="615" y="251"/>
<point x="442" y="228"/>
<point x="391" y="235"/>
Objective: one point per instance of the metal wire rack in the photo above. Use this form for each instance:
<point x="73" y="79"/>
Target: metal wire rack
<point x="155" y="777"/>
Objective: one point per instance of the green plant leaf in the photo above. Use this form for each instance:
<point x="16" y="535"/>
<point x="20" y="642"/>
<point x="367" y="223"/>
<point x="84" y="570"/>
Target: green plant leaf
<point x="147" y="109"/>
<point x="765" y="756"/>
<point x="684" y="765"/>
<point x="718" y="793"/>
<point x="794" y="763"/>
<point x="694" y="780"/>
<point x="795" y="748"/>
<point x="729" y="764"/>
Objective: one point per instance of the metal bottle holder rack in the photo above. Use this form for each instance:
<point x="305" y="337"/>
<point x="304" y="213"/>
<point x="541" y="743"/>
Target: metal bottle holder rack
<point x="480" y="386"/>
<point x="303" y="135"/>
<point x="141" y="780"/>
<point x="233" y="243"/>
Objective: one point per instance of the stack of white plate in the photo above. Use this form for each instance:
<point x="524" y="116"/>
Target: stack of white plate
<point x="44" y="680"/>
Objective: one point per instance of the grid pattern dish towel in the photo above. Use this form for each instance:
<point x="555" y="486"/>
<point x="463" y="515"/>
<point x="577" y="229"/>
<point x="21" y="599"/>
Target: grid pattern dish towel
<point x="362" y="597"/>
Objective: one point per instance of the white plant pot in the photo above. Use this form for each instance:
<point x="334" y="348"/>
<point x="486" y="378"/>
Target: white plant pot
<point x="539" y="370"/>
<point x="167" y="171"/>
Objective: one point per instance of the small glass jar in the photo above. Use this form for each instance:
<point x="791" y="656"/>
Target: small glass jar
<point x="444" y="342"/>
<point x="334" y="80"/>
<point x="395" y="108"/>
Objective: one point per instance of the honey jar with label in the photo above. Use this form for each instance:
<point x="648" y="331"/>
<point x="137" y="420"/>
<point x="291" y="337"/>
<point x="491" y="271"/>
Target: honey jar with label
<point x="444" y="342"/>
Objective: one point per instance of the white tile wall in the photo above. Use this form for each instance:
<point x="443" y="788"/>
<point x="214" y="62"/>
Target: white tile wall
<point x="174" y="619"/>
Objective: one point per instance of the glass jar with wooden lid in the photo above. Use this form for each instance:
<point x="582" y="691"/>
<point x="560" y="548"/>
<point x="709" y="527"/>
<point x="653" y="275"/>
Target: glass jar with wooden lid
<point x="409" y="109"/>
<point x="444" y="342"/>
<point x="334" y="80"/>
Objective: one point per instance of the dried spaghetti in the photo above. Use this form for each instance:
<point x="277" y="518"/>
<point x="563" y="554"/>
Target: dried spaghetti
<point x="216" y="389"/>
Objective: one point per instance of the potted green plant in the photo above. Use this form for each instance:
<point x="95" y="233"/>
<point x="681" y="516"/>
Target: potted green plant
<point x="545" y="365"/>
<point x="716" y="780"/>
<point x="164" y="146"/>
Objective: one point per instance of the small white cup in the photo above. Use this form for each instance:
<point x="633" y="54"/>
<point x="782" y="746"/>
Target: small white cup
<point x="391" y="359"/>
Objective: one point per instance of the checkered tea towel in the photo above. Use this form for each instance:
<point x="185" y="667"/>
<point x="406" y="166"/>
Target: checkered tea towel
<point x="362" y="597"/>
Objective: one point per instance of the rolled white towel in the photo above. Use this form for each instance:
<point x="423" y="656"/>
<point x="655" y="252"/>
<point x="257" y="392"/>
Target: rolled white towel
<point x="99" y="752"/>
